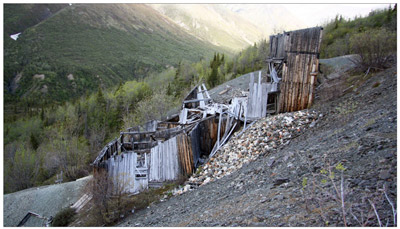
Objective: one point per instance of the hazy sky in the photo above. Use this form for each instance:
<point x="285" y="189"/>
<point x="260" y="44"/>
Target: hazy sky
<point x="310" y="13"/>
<point x="317" y="14"/>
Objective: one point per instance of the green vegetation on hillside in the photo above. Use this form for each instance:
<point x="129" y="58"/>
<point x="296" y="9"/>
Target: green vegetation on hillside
<point x="339" y="33"/>
<point x="55" y="138"/>
<point x="98" y="44"/>
<point x="18" y="17"/>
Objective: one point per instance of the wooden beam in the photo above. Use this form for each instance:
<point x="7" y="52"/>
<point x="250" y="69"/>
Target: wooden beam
<point x="138" y="132"/>
<point x="196" y="100"/>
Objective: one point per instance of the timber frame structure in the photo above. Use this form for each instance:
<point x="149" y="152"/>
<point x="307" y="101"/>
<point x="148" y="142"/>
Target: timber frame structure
<point x="161" y="151"/>
<point x="294" y="57"/>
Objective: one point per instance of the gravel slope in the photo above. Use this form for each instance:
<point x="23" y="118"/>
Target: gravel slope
<point x="46" y="201"/>
<point x="289" y="185"/>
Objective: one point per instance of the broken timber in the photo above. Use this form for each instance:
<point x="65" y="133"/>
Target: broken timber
<point x="157" y="152"/>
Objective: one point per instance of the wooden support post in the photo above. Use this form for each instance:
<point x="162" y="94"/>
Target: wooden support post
<point x="219" y="127"/>
<point x="200" y="97"/>
<point x="205" y="89"/>
<point x="245" y="119"/>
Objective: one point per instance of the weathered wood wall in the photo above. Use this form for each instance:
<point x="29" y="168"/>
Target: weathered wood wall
<point x="197" y="150"/>
<point x="209" y="133"/>
<point x="124" y="173"/>
<point x="185" y="154"/>
<point x="203" y="137"/>
<point x="172" y="150"/>
<point x="276" y="46"/>
<point x="164" y="164"/>
<point x="257" y="100"/>
<point x="300" y="69"/>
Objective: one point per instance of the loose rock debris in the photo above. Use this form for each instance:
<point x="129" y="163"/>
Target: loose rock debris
<point x="264" y="137"/>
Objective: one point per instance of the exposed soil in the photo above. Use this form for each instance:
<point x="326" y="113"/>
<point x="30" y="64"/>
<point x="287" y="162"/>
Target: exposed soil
<point x="352" y="144"/>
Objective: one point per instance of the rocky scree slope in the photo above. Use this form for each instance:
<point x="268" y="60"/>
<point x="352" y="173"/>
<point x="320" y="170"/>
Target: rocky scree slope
<point x="336" y="170"/>
<point x="46" y="201"/>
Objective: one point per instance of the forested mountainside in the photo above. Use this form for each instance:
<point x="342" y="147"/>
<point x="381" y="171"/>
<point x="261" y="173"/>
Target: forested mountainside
<point x="84" y="46"/>
<point x="18" y="17"/>
<point x="63" y="50"/>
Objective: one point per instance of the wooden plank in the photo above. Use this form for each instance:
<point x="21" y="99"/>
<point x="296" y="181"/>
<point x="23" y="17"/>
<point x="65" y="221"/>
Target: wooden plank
<point x="303" y="83"/>
<point x="189" y="154"/>
<point x="251" y="92"/>
<point x="307" y="88"/>
<point x="137" y="132"/>
<point x="205" y="90"/>
<point x="164" y="161"/>
<point x="180" y="158"/>
<point x="302" y="79"/>
<point x="297" y="81"/>
<point x="257" y="103"/>
<point x="196" y="100"/>
<point x="131" y="171"/>
<point x="282" y="89"/>
<point x="183" y="116"/>
<point x="264" y="100"/>
<point x="182" y="153"/>
<point x="288" y="81"/>
<point x="201" y="98"/>
<point x="185" y="154"/>
<point x="219" y="128"/>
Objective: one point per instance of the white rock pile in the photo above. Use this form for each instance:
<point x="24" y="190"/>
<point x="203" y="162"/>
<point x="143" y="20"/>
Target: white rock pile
<point x="261" y="138"/>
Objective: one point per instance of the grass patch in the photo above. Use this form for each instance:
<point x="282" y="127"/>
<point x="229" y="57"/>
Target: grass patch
<point x="347" y="107"/>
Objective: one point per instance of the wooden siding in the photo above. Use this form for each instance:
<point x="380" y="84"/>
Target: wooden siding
<point x="164" y="164"/>
<point x="185" y="154"/>
<point x="257" y="99"/>
<point x="276" y="48"/>
<point x="299" y="69"/>
<point x="123" y="172"/>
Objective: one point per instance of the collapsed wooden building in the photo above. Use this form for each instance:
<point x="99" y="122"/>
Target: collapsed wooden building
<point x="161" y="151"/>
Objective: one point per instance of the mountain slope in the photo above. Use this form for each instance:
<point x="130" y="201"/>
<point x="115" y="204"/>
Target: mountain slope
<point x="293" y="182"/>
<point x="270" y="18"/>
<point x="86" y="45"/>
<point x="18" y="17"/>
<point x="212" y="22"/>
<point x="233" y="26"/>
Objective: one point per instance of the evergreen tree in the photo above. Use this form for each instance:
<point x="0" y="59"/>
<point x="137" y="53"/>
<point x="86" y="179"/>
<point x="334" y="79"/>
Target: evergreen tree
<point x="42" y="114"/>
<point x="169" y="89"/>
<point x="213" y="77"/>
<point x="100" y="100"/>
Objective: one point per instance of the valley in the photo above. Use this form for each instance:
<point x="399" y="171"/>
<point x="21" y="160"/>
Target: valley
<point x="79" y="74"/>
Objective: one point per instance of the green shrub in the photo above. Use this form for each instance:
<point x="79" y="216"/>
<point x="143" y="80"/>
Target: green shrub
<point x="375" y="48"/>
<point x="64" y="217"/>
